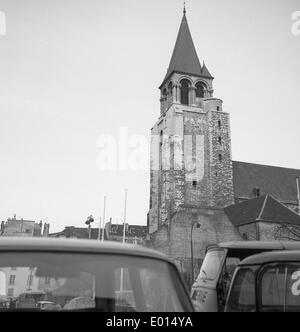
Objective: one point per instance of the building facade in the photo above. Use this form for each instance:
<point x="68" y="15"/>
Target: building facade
<point x="22" y="227"/>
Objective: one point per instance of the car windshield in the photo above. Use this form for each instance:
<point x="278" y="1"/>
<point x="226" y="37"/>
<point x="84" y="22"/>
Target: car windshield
<point x="100" y="282"/>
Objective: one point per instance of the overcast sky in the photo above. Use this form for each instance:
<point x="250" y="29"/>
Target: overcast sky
<point x="73" y="70"/>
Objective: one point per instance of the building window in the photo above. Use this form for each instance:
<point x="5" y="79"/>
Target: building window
<point x="220" y="140"/>
<point x="195" y="183"/>
<point x="219" y="123"/>
<point x="10" y="292"/>
<point x="12" y="279"/>
<point x="218" y="108"/>
<point x="200" y="90"/>
<point x="13" y="268"/>
<point x="220" y="157"/>
<point x="185" y="84"/>
<point x="170" y="89"/>
<point x="165" y="93"/>
<point x="47" y="280"/>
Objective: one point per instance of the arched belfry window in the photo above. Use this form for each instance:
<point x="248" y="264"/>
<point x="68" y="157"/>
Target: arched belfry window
<point x="165" y="92"/>
<point x="200" y="90"/>
<point x="170" y="88"/>
<point x="185" y="92"/>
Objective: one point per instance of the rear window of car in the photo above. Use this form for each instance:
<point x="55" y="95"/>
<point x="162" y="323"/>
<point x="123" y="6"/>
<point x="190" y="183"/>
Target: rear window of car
<point x="280" y="287"/>
<point x="100" y="282"/>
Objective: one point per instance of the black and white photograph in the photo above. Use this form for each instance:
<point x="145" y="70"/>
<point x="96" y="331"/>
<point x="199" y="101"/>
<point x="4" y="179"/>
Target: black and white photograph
<point x="149" y="158"/>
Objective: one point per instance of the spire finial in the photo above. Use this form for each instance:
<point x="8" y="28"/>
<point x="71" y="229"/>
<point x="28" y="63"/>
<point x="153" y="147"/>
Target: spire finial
<point x="184" y="9"/>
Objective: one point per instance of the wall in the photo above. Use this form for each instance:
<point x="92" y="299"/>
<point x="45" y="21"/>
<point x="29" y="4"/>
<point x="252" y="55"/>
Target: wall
<point x="175" y="240"/>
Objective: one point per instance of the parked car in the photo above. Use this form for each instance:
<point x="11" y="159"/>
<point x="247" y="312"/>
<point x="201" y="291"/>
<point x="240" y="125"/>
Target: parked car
<point x="87" y="275"/>
<point x="267" y="282"/>
<point x="47" y="305"/>
<point x="210" y="289"/>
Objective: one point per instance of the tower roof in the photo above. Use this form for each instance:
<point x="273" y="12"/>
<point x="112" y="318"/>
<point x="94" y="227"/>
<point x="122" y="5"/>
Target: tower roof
<point x="185" y="59"/>
<point x="205" y="71"/>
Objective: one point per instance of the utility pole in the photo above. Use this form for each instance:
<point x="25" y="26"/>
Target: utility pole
<point x="104" y="207"/>
<point x="298" y="193"/>
<point x="125" y="211"/>
<point x="99" y="232"/>
<point x="196" y="223"/>
<point x="124" y="239"/>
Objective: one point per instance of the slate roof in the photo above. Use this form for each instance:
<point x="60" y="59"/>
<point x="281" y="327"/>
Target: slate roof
<point x="113" y="230"/>
<point x="277" y="181"/>
<point x="79" y="233"/>
<point x="185" y="59"/>
<point x="205" y="72"/>
<point x="131" y="230"/>
<point x="262" y="209"/>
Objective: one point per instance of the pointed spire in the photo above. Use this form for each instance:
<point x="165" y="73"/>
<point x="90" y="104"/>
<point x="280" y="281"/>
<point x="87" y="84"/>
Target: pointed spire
<point x="205" y="71"/>
<point x="184" y="59"/>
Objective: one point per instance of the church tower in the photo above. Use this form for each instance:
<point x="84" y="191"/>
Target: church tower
<point x="191" y="168"/>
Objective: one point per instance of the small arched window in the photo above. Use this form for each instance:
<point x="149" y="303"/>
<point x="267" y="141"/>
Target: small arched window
<point x="185" y="92"/>
<point x="170" y="88"/>
<point x="165" y="92"/>
<point x="200" y="90"/>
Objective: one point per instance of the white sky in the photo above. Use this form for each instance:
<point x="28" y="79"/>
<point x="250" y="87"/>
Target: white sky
<point x="72" y="70"/>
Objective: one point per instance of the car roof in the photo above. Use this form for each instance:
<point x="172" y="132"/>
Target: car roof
<point x="45" y="302"/>
<point x="264" y="245"/>
<point x="77" y="246"/>
<point x="272" y="256"/>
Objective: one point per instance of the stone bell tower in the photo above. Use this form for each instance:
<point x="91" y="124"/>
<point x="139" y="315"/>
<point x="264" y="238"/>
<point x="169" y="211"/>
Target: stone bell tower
<point x="191" y="168"/>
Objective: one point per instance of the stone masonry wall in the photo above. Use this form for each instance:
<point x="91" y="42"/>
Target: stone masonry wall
<point x="221" y="174"/>
<point x="215" y="227"/>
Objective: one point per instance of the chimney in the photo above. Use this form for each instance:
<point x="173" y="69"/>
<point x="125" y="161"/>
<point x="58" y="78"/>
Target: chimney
<point x="256" y="192"/>
<point x="2" y="227"/>
<point x="46" y="230"/>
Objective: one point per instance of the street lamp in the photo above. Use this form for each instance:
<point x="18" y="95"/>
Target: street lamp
<point x="196" y="223"/>
<point x="90" y="220"/>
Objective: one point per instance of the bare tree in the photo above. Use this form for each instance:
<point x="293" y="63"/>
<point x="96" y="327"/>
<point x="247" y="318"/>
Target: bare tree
<point x="287" y="232"/>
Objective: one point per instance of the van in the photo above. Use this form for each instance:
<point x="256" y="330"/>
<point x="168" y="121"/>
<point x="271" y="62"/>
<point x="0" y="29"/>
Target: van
<point x="210" y="289"/>
<point x="267" y="282"/>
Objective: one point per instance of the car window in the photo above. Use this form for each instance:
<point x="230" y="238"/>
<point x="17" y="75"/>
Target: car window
<point x="280" y="288"/>
<point x="242" y="292"/>
<point x="211" y="265"/>
<point x="113" y="283"/>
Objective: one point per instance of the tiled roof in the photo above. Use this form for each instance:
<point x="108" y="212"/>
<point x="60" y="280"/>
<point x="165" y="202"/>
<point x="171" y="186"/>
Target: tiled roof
<point x="264" y="208"/>
<point x="277" y="181"/>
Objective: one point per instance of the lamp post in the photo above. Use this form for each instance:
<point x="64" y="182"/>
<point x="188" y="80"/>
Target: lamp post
<point x="88" y="222"/>
<point x="192" y="249"/>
